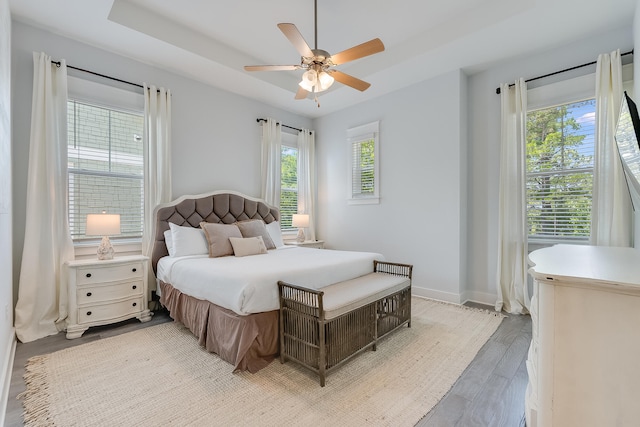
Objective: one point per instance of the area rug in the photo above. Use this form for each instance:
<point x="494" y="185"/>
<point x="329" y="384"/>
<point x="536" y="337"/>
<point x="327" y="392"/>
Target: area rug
<point x="160" y="376"/>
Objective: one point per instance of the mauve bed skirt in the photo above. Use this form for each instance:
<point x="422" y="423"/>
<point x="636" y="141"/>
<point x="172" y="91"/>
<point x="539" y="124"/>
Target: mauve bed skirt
<point x="249" y="343"/>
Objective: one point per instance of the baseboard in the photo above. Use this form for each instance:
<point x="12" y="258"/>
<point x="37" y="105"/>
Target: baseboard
<point x="479" y="297"/>
<point x="437" y="295"/>
<point x="5" y="379"/>
<point x="468" y="296"/>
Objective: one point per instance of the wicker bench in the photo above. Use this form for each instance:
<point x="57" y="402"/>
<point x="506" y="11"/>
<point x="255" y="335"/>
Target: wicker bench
<point x="322" y="329"/>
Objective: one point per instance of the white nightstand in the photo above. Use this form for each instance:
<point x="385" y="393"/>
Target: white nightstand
<point x="318" y="244"/>
<point x="108" y="291"/>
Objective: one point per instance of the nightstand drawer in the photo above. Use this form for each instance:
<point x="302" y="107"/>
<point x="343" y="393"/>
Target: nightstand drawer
<point x="99" y="313"/>
<point x="112" y="273"/>
<point x="108" y="292"/>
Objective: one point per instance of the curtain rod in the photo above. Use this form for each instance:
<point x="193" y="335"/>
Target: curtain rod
<point x="99" y="75"/>
<point x="563" y="71"/>
<point x="283" y="125"/>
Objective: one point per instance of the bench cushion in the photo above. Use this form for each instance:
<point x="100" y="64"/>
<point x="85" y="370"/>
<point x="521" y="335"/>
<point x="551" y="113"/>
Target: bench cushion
<point x="343" y="297"/>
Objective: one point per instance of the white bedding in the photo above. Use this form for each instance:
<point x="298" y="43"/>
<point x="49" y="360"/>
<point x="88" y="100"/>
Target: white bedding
<point x="248" y="284"/>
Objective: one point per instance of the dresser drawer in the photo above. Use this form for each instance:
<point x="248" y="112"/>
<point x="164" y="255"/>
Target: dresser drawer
<point x="108" y="292"/>
<point x="100" y="313"/>
<point x="94" y="274"/>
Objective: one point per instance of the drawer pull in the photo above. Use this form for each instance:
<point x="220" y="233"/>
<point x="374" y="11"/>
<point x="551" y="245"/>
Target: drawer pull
<point x="135" y="303"/>
<point x="88" y="274"/>
<point x="88" y="313"/>
<point x="134" y="269"/>
<point x="134" y="287"/>
<point x="88" y="294"/>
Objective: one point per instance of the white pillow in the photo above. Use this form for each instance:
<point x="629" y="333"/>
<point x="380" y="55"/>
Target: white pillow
<point x="168" y="241"/>
<point x="276" y="234"/>
<point x="243" y="246"/>
<point x="188" y="241"/>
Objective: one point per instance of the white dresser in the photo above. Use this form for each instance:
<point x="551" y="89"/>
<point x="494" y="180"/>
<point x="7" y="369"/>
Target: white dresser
<point x="584" y="359"/>
<point x="108" y="291"/>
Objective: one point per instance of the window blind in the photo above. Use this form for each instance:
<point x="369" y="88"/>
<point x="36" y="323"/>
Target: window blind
<point x="560" y="152"/>
<point x="288" y="186"/>
<point x="362" y="168"/>
<point x="106" y="166"/>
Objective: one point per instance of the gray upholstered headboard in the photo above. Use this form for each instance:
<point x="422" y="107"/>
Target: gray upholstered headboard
<point x="218" y="207"/>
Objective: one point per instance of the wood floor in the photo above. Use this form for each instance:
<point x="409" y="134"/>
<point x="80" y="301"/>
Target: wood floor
<point x="490" y="392"/>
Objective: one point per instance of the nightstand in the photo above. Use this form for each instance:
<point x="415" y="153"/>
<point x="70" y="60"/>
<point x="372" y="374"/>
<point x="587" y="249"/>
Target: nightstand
<point x="104" y="292"/>
<point x="318" y="244"/>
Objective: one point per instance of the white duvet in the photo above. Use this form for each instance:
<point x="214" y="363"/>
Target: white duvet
<point x="249" y="284"/>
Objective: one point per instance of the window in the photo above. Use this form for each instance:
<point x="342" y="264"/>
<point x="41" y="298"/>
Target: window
<point x="560" y="159"/>
<point x="106" y="166"/>
<point x="288" y="180"/>
<point x="363" y="173"/>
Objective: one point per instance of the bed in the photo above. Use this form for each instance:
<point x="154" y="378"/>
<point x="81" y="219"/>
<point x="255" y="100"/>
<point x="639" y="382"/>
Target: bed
<point x="230" y="303"/>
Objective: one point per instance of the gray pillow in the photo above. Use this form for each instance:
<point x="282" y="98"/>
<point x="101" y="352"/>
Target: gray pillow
<point x="255" y="228"/>
<point x="218" y="238"/>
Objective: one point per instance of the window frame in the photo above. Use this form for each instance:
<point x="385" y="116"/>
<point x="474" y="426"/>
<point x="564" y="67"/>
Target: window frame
<point x="558" y="93"/>
<point x="116" y="99"/>
<point x="358" y="135"/>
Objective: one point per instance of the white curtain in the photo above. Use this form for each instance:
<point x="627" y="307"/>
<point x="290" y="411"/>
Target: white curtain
<point x="42" y="293"/>
<point x="271" y="160"/>
<point x="157" y="154"/>
<point x="307" y="179"/>
<point x="513" y="296"/>
<point x="611" y="212"/>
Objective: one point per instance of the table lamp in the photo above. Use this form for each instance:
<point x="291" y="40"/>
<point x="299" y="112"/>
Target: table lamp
<point x="104" y="225"/>
<point x="301" y="221"/>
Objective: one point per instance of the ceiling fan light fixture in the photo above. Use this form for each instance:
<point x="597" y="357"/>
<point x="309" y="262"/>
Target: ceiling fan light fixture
<point x="306" y="86"/>
<point x="325" y="80"/>
<point x="310" y="77"/>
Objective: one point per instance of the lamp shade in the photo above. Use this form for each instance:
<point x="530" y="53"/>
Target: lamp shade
<point x="103" y="224"/>
<point x="300" y="220"/>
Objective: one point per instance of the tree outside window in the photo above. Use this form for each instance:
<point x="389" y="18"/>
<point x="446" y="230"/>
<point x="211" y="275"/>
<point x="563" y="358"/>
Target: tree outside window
<point x="560" y="151"/>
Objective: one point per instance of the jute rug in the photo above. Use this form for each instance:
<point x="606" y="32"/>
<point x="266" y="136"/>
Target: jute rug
<point x="160" y="376"/>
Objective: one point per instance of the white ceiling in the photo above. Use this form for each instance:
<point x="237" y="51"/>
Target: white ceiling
<point x="210" y="41"/>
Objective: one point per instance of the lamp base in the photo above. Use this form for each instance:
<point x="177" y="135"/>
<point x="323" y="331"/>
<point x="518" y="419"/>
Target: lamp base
<point x="300" y="237"/>
<point x="105" y="250"/>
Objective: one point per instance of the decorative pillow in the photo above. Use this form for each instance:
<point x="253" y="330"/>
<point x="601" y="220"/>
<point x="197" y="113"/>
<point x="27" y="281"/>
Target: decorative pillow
<point x="275" y="233"/>
<point x="255" y="228"/>
<point x="168" y="241"/>
<point x="187" y="241"/>
<point x="218" y="237"/>
<point x="243" y="246"/>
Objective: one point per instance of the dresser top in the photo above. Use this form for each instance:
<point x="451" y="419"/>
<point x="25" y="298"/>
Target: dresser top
<point x="106" y="262"/>
<point x="587" y="265"/>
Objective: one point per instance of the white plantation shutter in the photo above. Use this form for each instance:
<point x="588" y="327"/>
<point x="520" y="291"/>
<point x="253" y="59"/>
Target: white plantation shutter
<point x="363" y="143"/>
<point x="560" y="176"/>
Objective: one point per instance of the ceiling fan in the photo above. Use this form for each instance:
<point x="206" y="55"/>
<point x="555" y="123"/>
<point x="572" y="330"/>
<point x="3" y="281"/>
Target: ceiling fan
<point x="319" y="64"/>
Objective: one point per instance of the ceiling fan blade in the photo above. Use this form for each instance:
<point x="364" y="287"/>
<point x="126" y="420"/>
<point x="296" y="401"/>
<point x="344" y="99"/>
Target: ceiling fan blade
<point x="357" y="52"/>
<point x="302" y="93"/>
<point x="271" y="67"/>
<point x="348" y="80"/>
<point x="291" y="32"/>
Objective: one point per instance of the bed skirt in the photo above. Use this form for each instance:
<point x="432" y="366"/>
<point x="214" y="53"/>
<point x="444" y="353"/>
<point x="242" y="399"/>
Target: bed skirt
<point x="249" y="343"/>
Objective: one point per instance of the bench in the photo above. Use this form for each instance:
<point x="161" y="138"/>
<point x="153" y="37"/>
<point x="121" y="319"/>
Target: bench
<point x="322" y="329"/>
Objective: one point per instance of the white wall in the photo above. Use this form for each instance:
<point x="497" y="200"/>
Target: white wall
<point x="7" y="335"/>
<point x="421" y="216"/>
<point x="484" y="141"/>
<point x="216" y="140"/>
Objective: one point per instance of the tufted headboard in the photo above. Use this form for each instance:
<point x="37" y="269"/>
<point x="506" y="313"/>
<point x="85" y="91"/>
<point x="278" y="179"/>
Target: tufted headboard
<point x="219" y="207"/>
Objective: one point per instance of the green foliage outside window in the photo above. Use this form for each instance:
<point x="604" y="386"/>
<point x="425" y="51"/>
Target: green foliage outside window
<point x="560" y="171"/>
<point x="288" y="186"/>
